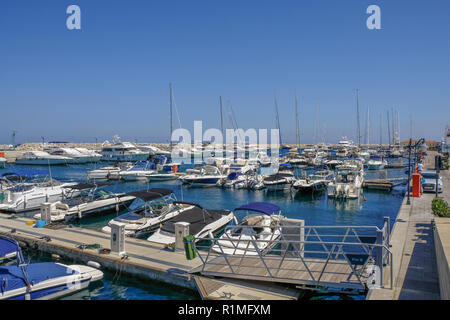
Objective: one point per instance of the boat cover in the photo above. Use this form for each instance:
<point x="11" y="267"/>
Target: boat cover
<point x="11" y="277"/>
<point x="8" y="247"/>
<point x="278" y="176"/>
<point x="82" y="186"/>
<point x="263" y="207"/>
<point x="150" y="194"/>
<point x="197" y="218"/>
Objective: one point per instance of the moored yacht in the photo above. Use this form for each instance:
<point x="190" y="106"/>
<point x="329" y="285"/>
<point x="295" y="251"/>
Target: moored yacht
<point x="42" y="158"/>
<point x="282" y="180"/>
<point x="123" y="152"/>
<point x="256" y="233"/>
<point x="75" y="156"/>
<point x="348" y="181"/>
<point x="152" y="207"/>
<point x="315" y="182"/>
<point x="42" y="280"/>
<point x="29" y="196"/>
<point x="92" y="155"/>
<point x="202" y="223"/>
<point x="376" y="163"/>
<point x="92" y="201"/>
<point x="207" y="176"/>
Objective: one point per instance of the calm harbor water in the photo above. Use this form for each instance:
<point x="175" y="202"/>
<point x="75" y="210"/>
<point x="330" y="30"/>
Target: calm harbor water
<point x="316" y="210"/>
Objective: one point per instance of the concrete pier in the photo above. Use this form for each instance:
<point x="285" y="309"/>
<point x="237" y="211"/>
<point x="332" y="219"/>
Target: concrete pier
<point x="420" y="245"/>
<point x="145" y="259"/>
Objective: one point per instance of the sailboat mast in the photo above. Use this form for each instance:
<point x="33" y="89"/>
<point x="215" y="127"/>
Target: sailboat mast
<point x="389" y="128"/>
<point x="277" y="118"/>
<point x="358" y="130"/>
<point x="170" y="134"/>
<point x="221" y="117"/>
<point x="297" y="127"/>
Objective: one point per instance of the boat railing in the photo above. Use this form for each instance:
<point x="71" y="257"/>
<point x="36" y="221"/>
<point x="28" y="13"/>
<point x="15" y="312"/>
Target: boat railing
<point x="303" y="254"/>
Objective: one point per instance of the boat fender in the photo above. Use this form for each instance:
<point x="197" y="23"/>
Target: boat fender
<point x="94" y="264"/>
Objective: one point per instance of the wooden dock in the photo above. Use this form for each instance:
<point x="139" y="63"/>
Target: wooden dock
<point x="383" y="184"/>
<point x="144" y="259"/>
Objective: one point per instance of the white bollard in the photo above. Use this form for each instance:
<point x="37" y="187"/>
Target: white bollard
<point x="46" y="212"/>
<point x="117" y="238"/>
<point x="181" y="231"/>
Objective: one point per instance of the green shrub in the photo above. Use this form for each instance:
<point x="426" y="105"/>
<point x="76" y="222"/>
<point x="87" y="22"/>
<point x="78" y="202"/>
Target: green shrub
<point x="440" y="207"/>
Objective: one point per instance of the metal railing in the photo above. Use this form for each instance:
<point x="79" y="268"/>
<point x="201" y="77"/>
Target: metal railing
<point x="310" y="255"/>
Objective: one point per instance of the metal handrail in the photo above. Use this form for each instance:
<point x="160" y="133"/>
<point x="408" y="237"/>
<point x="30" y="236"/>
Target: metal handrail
<point x="336" y="250"/>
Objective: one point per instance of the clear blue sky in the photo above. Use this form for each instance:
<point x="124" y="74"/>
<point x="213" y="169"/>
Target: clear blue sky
<point x="112" y="76"/>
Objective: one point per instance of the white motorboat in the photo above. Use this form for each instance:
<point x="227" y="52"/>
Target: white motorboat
<point x="29" y="196"/>
<point x="92" y="201"/>
<point x="348" y="181"/>
<point x="42" y="158"/>
<point x="376" y="163"/>
<point x="282" y="180"/>
<point x="40" y="281"/>
<point x="202" y="223"/>
<point x="140" y="171"/>
<point x="316" y="182"/>
<point x="108" y="172"/>
<point x="75" y="156"/>
<point x="256" y="233"/>
<point x="92" y="155"/>
<point x="153" y="207"/>
<point x="123" y="152"/>
<point x="208" y="176"/>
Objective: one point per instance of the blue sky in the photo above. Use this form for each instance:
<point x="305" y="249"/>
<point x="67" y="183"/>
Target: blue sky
<point x="112" y="76"/>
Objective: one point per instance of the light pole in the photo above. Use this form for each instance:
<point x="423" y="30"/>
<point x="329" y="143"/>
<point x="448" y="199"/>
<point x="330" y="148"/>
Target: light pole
<point x="418" y="143"/>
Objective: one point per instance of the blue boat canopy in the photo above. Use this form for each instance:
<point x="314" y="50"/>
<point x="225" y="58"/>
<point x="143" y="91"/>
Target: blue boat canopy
<point x="8" y="248"/>
<point x="285" y="165"/>
<point x="263" y="207"/>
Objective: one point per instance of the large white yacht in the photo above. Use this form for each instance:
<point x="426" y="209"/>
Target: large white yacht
<point x="124" y="152"/>
<point x="42" y="158"/>
<point x="75" y="156"/>
<point x="92" y="155"/>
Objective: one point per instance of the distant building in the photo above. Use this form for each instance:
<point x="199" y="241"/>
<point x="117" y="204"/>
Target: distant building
<point x="432" y="145"/>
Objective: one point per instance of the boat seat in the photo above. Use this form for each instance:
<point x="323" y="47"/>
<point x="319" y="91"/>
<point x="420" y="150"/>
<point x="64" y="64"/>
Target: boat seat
<point x="252" y="221"/>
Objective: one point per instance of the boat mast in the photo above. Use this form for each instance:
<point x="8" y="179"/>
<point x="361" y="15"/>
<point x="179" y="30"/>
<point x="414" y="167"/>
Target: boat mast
<point x="277" y="118"/>
<point x="358" y="130"/>
<point x="221" y="119"/>
<point x="389" y="128"/>
<point x="170" y="136"/>
<point x="297" y="127"/>
<point x="381" y="134"/>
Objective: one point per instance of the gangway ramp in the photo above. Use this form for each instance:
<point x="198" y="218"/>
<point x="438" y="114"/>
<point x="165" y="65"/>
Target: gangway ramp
<point x="350" y="259"/>
<point x="233" y="289"/>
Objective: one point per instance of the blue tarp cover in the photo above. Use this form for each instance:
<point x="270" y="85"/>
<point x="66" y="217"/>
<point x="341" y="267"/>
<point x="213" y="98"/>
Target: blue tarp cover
<point x="11" y="277"/>
<point x="263" y="207"/>
<point x="8" y="246"/>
